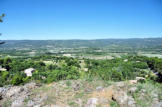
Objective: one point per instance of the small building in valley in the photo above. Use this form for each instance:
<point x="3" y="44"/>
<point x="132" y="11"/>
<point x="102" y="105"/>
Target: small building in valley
<point x="2" y="69"/>
<point x="29" y="72"/>
<point x="67" y="55"/>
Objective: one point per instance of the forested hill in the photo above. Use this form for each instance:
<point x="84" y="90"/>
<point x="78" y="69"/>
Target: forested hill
<point x="151" y="44"/>
<point x="136" y="42"/>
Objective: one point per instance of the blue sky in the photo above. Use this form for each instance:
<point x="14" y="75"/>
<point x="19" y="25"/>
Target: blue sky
<point x="81" y="19"/>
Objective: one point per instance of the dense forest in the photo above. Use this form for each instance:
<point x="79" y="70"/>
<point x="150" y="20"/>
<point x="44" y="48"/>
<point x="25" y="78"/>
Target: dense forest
<point x="65" y="68"/>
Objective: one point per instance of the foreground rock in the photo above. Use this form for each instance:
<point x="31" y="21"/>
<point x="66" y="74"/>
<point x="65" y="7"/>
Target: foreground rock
<point x="116" y="92"/>
<point x="16" y="94"/>
<point x="78" y="93"/>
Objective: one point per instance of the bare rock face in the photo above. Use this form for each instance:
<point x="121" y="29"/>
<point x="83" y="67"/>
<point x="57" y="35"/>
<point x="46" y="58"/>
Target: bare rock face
<point x="2" y="89"/>
<point x="61" y="95"/>
<point x="131" y="102"/>
<point x="14" y="91"/>
<point x="132" y="82"/>
<point x="159" y="104"/>
<point x="76" y="87"/>
<point x="120" y="84"/>
<point x="30" y="103"/>
<point x="123" y="99"/>
<point x="99" y="88"/>
<point x="120" y="97"/>
<point x="17" y="94"/>
<point x="31" y="86"/>
<point x="17" y="103"/>
<point x="92" y="102"/>
<point x="132" y="89"/>
<point x="116" y="92"/>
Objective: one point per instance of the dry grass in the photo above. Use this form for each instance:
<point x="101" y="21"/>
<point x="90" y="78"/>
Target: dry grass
<point x="106" y="93"/>
<point x="63" y="95"/>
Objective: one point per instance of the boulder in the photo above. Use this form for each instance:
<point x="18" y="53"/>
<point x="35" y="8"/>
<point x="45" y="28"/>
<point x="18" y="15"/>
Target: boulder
<point x="30" y="86"/>
<point x="17" y="103"/>
<point x="140" y="78"/>
<point x="99" y="88"/>
<point x="131" y="102"/>
<point x="2" y="92"/>
<point x="92" y="102"/>
<point x="159" y="104"/>
<point x="76" y="87"/>
<point x="132" y="82"/>
<point x="123" y="99"/>
<point x="120" y="84"/>
<point x="30" y="103"/>
<point x="132" y="89"/>
<point x="14" y="91"/>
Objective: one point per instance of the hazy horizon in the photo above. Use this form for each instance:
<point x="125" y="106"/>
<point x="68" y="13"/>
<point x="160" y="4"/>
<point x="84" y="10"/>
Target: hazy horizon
<point x="84" y="39"/>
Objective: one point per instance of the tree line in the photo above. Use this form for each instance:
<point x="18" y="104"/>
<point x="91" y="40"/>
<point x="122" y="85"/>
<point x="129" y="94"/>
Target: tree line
<point x="64" y="68"/>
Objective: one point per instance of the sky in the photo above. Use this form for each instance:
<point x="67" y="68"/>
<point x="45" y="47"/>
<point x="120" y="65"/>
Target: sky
<point x="80" y="19"/>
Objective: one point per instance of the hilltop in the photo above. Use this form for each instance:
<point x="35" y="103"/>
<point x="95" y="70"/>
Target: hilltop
<point x="81" y="73"/>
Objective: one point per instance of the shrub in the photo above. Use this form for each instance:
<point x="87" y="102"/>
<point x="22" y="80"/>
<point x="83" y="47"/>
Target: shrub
<point x="116" y="76"/>
<point x="140" y="65"/>
<point x="17" y="79"/>
<point x="5" y="75"/>
<point x="68" y="83"/>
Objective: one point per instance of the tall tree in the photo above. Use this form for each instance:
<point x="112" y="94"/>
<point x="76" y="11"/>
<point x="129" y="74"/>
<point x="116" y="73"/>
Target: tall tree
<point x="1" y="22"/>
<point x="2" y="17"/>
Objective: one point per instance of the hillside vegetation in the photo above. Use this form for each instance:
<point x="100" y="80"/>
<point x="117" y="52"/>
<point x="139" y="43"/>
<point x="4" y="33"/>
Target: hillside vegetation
<point x="65" y="68"/>
<point x="81" y="73"/>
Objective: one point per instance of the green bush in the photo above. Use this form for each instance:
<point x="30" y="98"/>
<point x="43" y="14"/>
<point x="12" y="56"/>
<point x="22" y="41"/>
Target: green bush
<point x="116" y="76"/>
<point x="17" y="79"/>
<point x="5" y="75"/>
<point x="140" y="65"/>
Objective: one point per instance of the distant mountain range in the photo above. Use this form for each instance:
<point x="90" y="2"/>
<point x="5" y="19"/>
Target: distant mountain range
<point x="152" y="44"/>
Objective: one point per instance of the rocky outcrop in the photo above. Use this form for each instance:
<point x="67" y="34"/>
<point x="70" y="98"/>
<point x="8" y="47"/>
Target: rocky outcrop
<point x="92" y="102"/>
<point x="78" y="93"/>
<point x="116" y="92"/>
<point x="159" y="104"/>
<point x="16" y="94"/>
<point x="123" y="99"/>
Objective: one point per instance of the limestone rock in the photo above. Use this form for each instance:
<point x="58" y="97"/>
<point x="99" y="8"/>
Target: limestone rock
<point x="123" y="99"/>
<point x="158" y="104"/>
<point x="99" y="88"/>
<point x="140" y="79"/>
<point x="30" y="103"/>
<point x="17" y="103"/>
<point x="13" y="91"/>
<point x="133" y="82"/>
<point x="132" y="89"/>
<point x="92" y="102"/>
